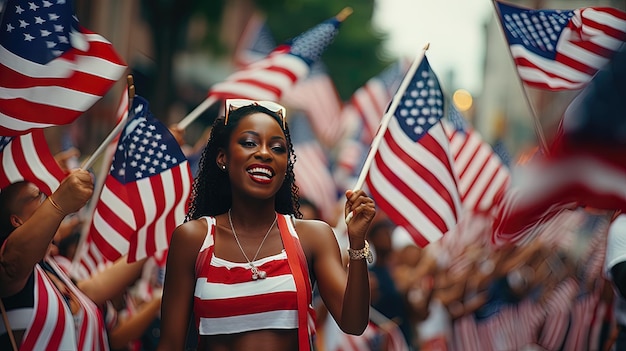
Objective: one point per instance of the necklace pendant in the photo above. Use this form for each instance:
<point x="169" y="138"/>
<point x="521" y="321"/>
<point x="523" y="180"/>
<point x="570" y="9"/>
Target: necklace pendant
<point x="257" y="274"/>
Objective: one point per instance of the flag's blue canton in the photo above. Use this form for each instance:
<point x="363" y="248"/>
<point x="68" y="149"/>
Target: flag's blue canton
<point x="38" y="31"/>
<point x="264" y="42"/>
<point x="311" y="44"/>
<point x="501" y="150"/>
<point x="421" y="106"/>
<point x="146" y="147"/>
<point x="390" y="77"/>
<point x="537" y="30"/>
<point x="457" y="120"/>
<point x="300" y="128"/>
<point x="4" y="141"/>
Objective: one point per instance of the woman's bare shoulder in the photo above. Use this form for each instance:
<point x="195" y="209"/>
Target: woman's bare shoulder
<point x="314" y="232"/>
<point x="191" y="233"/>
<point x="312" y="226"/>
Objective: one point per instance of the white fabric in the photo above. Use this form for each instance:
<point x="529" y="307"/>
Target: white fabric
<point x="616" y="253"/>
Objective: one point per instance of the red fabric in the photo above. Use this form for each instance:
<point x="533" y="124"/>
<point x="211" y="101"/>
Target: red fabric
<point x="297" y="263"/>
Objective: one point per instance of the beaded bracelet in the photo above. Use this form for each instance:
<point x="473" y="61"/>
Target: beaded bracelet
<point x="55" y="205"/>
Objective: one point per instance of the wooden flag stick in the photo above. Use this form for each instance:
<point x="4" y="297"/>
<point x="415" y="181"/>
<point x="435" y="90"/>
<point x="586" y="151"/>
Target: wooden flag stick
<point x="186" y="121"/>
<point x="341" y="16"/>
<point x="114" y="133"/>
<point x="384" y="123"/>
<point x="88" y="211"/>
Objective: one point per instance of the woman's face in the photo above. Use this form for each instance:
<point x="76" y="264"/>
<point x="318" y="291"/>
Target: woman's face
<point x="257" y="156"/>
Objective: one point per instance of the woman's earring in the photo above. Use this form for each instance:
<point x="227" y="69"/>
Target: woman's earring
<point x="224" y="167"/>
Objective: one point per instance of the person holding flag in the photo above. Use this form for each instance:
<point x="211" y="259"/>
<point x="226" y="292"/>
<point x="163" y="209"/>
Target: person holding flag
<point x="42" y="307"/>
<point x="244" y="261"/>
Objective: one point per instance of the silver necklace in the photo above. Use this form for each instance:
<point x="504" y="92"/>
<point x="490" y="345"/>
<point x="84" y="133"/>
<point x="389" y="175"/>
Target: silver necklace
<point x="256" y="273"/>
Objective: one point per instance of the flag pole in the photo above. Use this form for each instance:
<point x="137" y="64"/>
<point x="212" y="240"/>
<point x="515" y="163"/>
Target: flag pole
<point x="115" y="132"/>
<point x="538" y="129"/>
<point x="104" y="169"/>
<point x="384" y="123"/>
<point x="387" y="117"/>
<point x="186" y="121"/>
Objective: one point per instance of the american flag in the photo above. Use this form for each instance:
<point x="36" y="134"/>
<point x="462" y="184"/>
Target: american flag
<point x="561" y="49"/>
<point x="255" y="42"/>
<point x="585" y="165"/>
<point x="361" y="118"/>
<point x="500" y="148"/>
<point x="311" y="169"/>
<point x="317" y="96"/>
<point x="269" y="78"/>
<point x="350" y="155"/>
<point x="51" y="69"/>
<point x="482" y="178"/>
<point x="89" y="259"/>
<point x="145" y="193"/>
<point x="120" y="115"/>
<point x="28" y="158"/>
<point x="530" y="204"/>
<point x="369" y="103"/>
<point x="411" y="177"/>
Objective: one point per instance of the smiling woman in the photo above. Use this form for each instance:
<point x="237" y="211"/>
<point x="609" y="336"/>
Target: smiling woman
<point x="244" y="204"/>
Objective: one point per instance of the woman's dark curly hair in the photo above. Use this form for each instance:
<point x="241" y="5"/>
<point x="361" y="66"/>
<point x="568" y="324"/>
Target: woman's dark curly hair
<point x="211" y="190"/>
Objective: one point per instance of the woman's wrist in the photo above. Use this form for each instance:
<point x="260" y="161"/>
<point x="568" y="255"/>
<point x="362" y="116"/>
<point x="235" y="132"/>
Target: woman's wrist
<point x="356" y="242"/>
<point x="356" y="254"/>
<point x="56" y="206"/>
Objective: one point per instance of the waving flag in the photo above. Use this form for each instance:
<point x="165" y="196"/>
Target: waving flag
<point x="350" y="155"/>
<point x="255" y="43"/>
<point x="317" y="96"/>
<point x="561" y="49"/>
<point x="28" y="158"/>
<point x="361" y="118"/>
<point x="368" y="103"/>
<point x="411" y="177"/>
<point x="584" y="167"/>
<point x="500" y="148"/>
<point x="145" y="193"/>
<point x="312" y="170"/>
<point x="51" y="69"/>
<point x="269" y="78"/>
<point x="482" y="178"/>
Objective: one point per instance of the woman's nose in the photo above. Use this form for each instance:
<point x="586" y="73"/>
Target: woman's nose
<point x="264" y="152"/>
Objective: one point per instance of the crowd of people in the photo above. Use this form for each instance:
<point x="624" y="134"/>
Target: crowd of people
<point x="254" y="267"/>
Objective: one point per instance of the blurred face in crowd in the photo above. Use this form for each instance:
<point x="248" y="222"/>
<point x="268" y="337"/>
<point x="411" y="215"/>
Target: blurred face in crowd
<point x="380" y="238"/>
<point x="27" y="199"/>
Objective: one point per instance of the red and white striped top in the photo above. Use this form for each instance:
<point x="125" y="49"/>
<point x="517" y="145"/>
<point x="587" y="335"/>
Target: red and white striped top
<point x="227" y="300"/>
<point x="50" y="325"/>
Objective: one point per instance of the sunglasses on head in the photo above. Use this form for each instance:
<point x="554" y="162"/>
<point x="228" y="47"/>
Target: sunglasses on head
<point x="234" y="104"/>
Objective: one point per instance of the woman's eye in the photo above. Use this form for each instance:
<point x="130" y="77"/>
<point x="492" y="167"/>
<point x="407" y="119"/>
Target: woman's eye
<point x="279" y="148"/>
<point x="248" y="143"/>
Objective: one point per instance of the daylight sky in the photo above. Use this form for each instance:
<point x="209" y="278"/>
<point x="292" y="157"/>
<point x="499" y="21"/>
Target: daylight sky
<point x="452" y="27"/>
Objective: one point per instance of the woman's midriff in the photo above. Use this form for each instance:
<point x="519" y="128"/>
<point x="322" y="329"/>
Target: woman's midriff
<point x="260" y="340"/>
